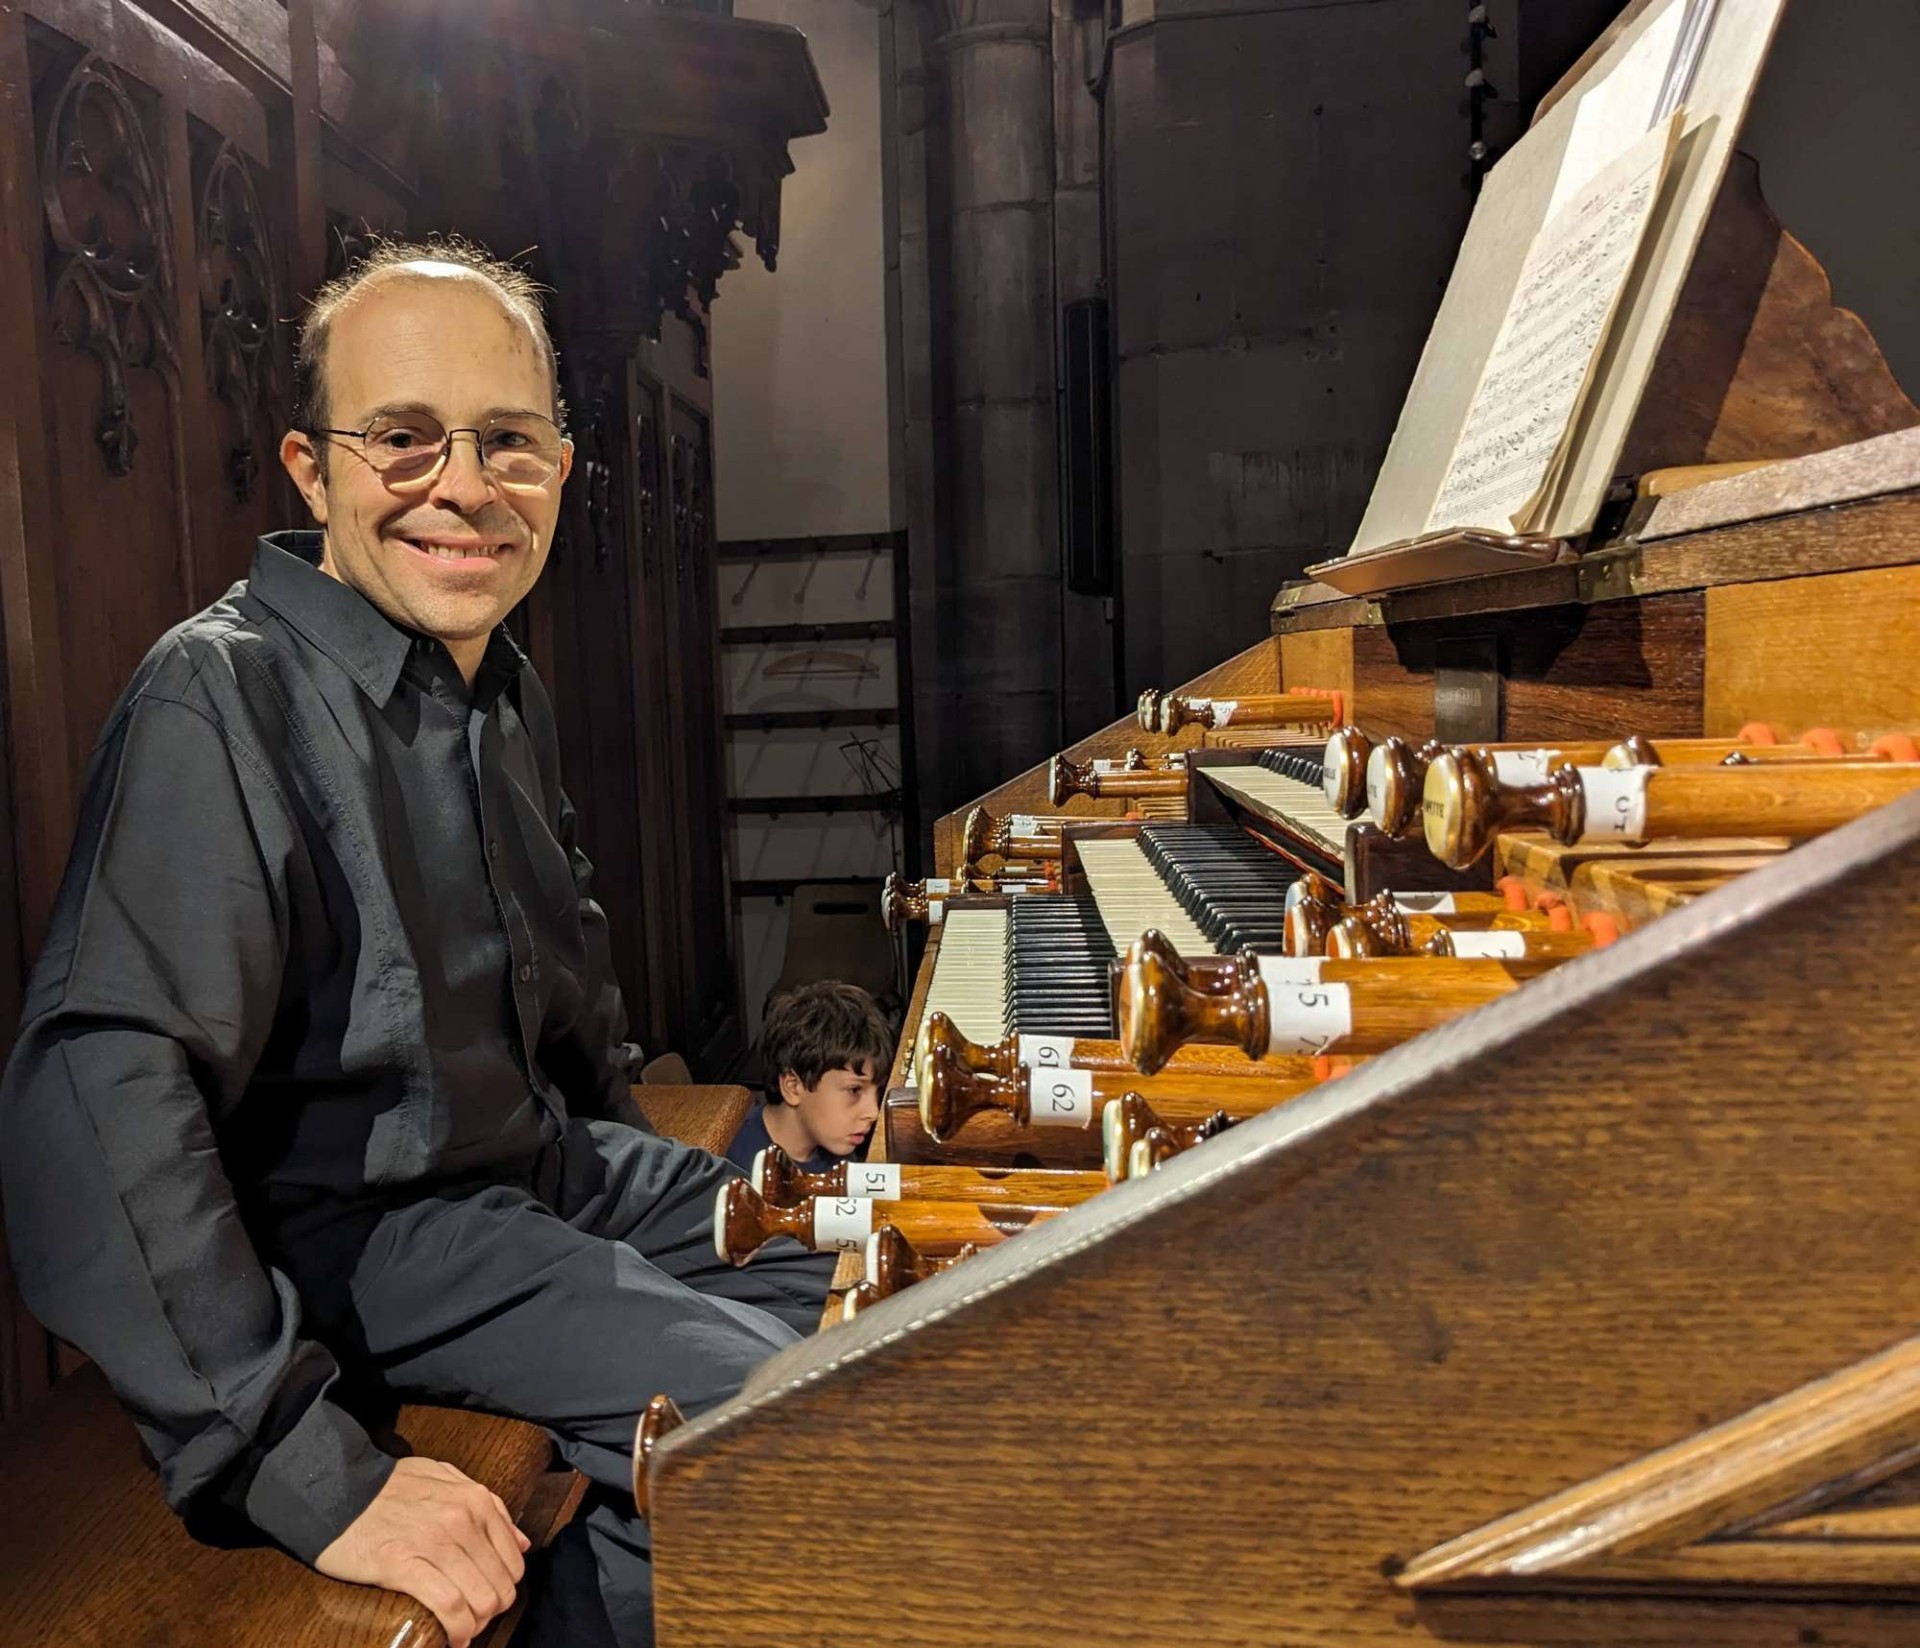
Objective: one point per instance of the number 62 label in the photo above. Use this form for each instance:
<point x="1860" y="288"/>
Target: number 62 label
<point x="1061" y="1098"/>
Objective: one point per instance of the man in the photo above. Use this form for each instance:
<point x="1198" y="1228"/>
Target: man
<point x="309" y="1058"/>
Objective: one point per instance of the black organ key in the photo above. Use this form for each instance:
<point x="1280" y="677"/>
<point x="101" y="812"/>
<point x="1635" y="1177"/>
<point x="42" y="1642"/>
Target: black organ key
<point x="1058" y="963"/>
<point x="1234" y="889"/>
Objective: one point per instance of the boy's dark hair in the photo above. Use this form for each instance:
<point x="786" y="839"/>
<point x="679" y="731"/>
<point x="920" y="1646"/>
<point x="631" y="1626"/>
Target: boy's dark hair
<point x="822" y="1027"/>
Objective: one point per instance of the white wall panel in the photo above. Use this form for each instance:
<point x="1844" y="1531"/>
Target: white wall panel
<point x="812" y="762"/>
<point x="808" y="675"/>
<point x="834" y="587"/>
<point x="804" y="846"/>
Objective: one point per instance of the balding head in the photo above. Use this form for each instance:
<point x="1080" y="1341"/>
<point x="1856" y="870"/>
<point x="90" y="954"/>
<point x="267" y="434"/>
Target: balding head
<point x="451" y="259"/>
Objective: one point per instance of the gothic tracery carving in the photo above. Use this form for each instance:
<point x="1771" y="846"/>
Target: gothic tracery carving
<point x="110" y="279"/>
<point x="239" y="300"/>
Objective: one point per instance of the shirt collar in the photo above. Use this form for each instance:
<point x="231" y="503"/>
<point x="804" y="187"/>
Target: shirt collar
<point x="344" y="624"/>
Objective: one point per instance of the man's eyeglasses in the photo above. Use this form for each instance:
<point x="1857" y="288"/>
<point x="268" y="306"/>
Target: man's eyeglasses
<point x="518" y="449"/>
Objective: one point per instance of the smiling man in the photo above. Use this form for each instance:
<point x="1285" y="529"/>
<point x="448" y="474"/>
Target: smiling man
<point x="323" y="1068"/>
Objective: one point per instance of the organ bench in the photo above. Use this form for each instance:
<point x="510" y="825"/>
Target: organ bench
<point x="91" y="1557"/>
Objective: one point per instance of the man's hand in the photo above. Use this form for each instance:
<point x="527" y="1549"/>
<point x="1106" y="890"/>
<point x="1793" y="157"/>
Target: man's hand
<point x="442" y="1539"/>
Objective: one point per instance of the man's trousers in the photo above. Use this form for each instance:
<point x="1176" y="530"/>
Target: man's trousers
<point x="571" y="1300"/>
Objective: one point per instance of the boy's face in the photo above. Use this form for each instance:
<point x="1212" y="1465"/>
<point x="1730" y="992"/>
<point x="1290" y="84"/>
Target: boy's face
<point x="839" y="1110"/>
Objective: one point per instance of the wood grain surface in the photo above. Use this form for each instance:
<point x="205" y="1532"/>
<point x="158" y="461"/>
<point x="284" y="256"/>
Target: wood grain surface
<point x="1636" y="1198"/>
<point x="1860" y="469"/>
<point x="1838" y="650"/>
<point x="91" y="1557"/>
<point x="704" y="1116"/>
<point x="1821" y="1443"/>
<point x="1757" y="360"/>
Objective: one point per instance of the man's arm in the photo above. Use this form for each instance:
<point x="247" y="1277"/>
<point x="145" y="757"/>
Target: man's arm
<point x="146" y="1015"/>
<point x="149" y="1007"/>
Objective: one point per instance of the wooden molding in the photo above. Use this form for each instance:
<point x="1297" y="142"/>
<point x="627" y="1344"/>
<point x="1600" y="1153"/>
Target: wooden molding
<point x="1795" y="1496"/>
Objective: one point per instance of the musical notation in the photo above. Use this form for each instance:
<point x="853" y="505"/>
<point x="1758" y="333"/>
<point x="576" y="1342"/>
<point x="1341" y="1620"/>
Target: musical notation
<point x="1542" y="361"/>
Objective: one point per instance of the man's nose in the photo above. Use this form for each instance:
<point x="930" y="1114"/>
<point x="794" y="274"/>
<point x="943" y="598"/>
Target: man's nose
<point x="462" y="484"/>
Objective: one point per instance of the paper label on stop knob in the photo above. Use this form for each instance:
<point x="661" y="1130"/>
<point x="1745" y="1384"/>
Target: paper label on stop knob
<point x="1424" y="904"/>
<point x="938" y="886"/>
<point x="1490" y="946"/>
<point x="1060" y="1098"/>
<point x="1522" y="767"/>
<point x="877" y="1181"/>
<point x="1616" y="803"/>
<point x="1223" y="709"/>
<point x="1308" y="1018"/>
<point x="842" y="1224"/>
<point x="1023" y="824"/>
<point x="1283" y="972"/>
<point x="936" y="912"/>
<point x="1377" y="784"/>
<point x="1039" y="1053"/>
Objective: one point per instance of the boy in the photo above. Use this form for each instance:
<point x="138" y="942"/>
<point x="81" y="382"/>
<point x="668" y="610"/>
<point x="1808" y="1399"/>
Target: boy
<point x="827" y="1051"/>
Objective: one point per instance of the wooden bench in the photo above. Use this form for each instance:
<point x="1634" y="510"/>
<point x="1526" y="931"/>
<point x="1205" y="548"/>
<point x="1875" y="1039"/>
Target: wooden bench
<point x="91" y="1557"/>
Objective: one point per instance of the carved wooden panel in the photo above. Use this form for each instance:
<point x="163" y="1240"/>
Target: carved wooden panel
<point x="112" y="386"/>
<point x="246" y="390"/>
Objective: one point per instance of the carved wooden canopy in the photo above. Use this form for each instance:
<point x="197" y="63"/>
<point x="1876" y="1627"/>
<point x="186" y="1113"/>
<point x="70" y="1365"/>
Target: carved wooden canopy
<point x="621" y="145"/>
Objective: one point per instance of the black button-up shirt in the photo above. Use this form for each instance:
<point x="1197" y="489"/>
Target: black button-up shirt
<point x="325" y="942"/>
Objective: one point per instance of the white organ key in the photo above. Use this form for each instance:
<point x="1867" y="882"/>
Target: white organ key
<point x="1132" y="898"/>
<point x="1303" y="806"/>
<point x="969" y="982"/>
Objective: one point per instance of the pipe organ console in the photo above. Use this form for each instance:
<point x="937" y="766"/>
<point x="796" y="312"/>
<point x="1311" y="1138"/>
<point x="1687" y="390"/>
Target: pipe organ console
<point x="1409" y="1137"/>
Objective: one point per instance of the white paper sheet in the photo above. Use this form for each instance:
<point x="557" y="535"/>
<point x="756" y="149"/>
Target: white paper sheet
<point x="1619" y="111"/>
<point x="1542" y="359"/>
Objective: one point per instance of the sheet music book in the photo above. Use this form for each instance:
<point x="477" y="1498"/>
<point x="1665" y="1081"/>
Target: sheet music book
<point x="1691" y="62"/>
<point x="1543" y="357"/>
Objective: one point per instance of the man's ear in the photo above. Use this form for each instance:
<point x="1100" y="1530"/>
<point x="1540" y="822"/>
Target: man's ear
<point x="566" y="459"/>
<point x="792" y="1088"/>
<point x="302" y="464"/>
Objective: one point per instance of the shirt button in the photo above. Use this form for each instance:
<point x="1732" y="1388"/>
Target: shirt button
<point x="493" y="849"/>
<point x="526" y="972"/>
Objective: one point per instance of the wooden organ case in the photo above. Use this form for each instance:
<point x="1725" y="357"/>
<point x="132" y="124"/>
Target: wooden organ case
<point x="1582" y="1316"/>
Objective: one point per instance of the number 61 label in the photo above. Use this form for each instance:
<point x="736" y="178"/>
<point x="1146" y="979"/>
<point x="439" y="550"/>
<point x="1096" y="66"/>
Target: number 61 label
<point x="1039" y="1053"/>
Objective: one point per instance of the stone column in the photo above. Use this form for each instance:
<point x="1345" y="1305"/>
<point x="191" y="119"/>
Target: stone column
<point x="1000" y="599"/>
